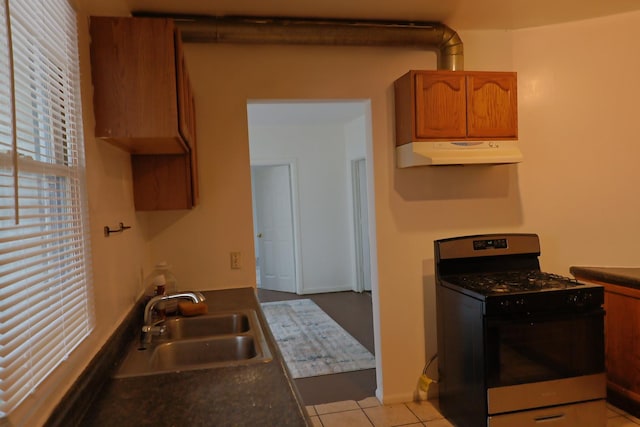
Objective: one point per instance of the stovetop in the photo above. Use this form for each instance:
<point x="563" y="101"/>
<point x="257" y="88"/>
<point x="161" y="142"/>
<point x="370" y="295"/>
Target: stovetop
<point x="509" y="282"/>
<point x="503" y="271"/>
<point x="526" y="292"/>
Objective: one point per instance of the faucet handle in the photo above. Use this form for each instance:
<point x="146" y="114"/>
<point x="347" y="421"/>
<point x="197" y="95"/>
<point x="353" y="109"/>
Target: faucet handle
<point x="154" y="329"/>
<point x="149" y="331"/>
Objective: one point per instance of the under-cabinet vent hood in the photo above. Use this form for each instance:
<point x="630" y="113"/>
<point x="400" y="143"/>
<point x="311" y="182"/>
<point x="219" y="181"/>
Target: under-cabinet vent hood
<point x="425" y="153"/>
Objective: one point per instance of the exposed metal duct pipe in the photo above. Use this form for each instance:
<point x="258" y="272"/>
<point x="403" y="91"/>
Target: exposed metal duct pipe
<point x="307" y="31"/>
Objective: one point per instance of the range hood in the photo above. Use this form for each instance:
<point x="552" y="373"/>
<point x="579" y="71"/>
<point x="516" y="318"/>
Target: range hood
<point x="433" y="153"/>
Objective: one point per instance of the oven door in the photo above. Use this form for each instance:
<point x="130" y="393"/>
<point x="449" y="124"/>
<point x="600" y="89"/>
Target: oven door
<point x="543" y="347"/>
<point x="543" y="360"/>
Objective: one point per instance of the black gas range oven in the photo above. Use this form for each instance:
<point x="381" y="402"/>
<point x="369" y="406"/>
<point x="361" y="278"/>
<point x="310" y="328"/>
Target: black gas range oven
<point x="516" y="346"/>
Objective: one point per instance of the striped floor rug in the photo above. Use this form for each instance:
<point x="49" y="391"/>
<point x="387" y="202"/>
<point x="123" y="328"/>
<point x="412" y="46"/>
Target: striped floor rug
<point x="311" y="342"/>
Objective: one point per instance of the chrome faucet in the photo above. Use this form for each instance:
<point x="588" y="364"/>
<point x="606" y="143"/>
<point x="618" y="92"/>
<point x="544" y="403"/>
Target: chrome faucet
<point x="150" y="328"/>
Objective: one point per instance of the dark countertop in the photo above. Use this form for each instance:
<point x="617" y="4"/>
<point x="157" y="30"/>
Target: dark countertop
<point x="259" y="394"/>
<point x="622" y="276"/>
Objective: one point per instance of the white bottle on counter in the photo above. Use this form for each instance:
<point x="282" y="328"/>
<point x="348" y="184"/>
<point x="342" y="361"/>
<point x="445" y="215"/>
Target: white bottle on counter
<point x="161" y="281"/>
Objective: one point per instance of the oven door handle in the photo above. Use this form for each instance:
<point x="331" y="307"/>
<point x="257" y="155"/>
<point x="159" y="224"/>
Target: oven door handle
<point x="544" y="317"/>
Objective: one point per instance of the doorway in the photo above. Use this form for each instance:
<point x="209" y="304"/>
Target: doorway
<point x="325" y="223"/>
<point x="361" y="225"/>
<point x="316" y="152"/>
<point x="274" y="223"/>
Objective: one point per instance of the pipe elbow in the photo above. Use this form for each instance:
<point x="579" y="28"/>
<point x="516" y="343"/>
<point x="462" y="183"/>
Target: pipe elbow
<point x="451" y="50"/>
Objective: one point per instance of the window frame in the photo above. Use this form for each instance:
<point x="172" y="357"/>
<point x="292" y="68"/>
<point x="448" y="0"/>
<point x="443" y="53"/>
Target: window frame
<point x="46" y="304"/>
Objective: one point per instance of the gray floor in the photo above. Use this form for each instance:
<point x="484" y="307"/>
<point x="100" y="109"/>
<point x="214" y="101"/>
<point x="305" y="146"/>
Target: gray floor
<point x="353" y="311"/>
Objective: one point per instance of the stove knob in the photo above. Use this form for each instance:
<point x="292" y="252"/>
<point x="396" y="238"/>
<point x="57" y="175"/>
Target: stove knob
<point x="572" y="299"/>
<point x="505" y="304"/>
<point x="520" y="302"/>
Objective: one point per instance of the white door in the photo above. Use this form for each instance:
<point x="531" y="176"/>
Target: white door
<point x="274" y="227"/>
<point x="361" y="225"/>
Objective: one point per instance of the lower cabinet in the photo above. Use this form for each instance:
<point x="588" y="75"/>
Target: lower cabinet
<point x="622" y="335"/>
<point x="622" y="345"/>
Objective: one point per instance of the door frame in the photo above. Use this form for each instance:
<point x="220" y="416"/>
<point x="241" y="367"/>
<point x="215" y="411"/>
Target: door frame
<point x="358" y="173"/>
<point x="295" y="214"/>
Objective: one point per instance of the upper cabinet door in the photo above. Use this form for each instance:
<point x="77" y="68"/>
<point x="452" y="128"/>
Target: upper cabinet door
<point x="440" y="105"/>
<point x="492" y="105"/>
<point x="139" y="79"/>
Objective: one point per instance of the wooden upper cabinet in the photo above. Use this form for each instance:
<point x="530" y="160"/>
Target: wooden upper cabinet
<point x="141" y="87"/>
<point x="459" y="105"/>
<point x="492" y="105"/>
<point x="143" y="103"/>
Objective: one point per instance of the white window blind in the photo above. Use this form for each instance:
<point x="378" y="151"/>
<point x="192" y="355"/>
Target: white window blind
<point x="46" y="308"/>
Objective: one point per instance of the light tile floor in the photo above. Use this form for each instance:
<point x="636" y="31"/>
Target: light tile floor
<point x="369" y="412"/>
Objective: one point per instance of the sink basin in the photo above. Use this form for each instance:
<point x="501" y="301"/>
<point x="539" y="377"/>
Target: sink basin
<point x="203" y="342"/>
<point x="202" y="326"/>
<point x="184" y="354"/>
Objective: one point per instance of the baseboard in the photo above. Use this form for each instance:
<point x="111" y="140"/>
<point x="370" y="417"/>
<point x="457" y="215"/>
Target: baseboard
<point x="396" y="398"/>
<point x="623" y="402"/>
<point x="326" y="290"/>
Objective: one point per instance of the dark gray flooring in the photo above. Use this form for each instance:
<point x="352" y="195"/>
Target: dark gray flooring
<point x="353" y="311"/>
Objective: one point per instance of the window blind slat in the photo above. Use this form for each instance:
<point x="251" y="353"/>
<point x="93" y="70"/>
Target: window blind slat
<point x="45" y="277"/>
<point x="27" y="294"/>
<point x="46" y="230"/>
<point x="23" y="287"/>
<point x="17" y="265"/>
<point x="20" y="315"/>
<point x="28" y="246"/>
<point x="28" y="326"/>
<point x="74" y="325"/>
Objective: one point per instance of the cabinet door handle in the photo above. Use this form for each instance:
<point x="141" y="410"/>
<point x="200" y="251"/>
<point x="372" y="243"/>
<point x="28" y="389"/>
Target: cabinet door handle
<point x="259" y="235"/>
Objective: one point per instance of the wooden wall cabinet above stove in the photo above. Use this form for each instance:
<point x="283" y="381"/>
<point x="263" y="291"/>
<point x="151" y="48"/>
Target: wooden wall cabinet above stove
<point x="143" y="103"/>
<point x="456" y="105"/>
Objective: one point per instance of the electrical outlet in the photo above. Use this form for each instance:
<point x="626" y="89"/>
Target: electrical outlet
<point x="235" y="260"/>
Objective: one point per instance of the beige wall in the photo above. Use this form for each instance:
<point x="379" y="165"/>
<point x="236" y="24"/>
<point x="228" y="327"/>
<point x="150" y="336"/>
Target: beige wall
<point x="579" y="125"/>
<point x="226" y="76"/>
<point x="548" y="194"/>
<point x="577" y="102"/>
<point x="121" y="260"/>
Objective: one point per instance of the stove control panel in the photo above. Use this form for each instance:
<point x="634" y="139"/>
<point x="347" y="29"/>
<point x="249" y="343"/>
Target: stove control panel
<point x="568" y="300"/>
<point x="480" y="245"/>
<point x="511" y="305"/>
<point x="582" y="299"/>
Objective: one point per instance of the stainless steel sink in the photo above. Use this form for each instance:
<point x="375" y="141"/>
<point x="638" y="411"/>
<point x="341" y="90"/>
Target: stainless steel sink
<point x="215" y="340"/>
<point x="202" y="326"/>
<point x="188" y="353"/>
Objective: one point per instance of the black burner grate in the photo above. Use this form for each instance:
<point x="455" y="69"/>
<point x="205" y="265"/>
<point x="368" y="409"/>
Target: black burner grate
<point x="512" y="281"/>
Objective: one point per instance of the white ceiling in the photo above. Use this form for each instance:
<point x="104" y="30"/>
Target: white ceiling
<point x="457" y="14"/>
